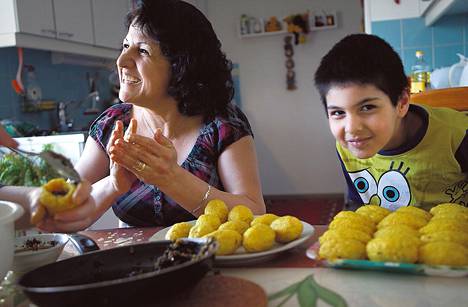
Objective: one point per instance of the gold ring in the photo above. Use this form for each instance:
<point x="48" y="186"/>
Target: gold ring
<point x="139" y="166"/>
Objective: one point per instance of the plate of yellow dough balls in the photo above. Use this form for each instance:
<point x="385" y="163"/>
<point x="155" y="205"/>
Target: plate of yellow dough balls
<point x="407" y="240"/>
<point x="242" y="237"/>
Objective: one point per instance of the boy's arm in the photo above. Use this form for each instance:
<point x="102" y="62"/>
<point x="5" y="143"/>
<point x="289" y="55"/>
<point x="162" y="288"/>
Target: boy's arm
<point x="462" y="154"/>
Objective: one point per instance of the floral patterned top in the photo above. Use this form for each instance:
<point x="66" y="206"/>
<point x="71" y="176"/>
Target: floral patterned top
<point x="146" y="205"/>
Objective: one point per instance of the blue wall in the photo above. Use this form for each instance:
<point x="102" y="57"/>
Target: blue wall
<point x="59" y="82"/>
<point x="440" y="42"/>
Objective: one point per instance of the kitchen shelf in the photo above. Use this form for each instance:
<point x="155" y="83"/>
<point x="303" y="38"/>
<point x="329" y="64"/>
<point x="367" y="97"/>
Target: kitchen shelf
<point x="284" y="26"/>
<point x="250" y="35"/>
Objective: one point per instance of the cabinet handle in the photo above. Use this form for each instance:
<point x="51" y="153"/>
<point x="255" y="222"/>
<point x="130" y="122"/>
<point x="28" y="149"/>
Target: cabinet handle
<point x="48" y="31"/>
<point x="65" y="34"/>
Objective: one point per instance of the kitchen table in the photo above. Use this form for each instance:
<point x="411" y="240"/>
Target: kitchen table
<point x="358" y="288"/>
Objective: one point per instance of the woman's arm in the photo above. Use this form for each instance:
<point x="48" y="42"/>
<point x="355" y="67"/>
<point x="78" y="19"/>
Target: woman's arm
<point x="237" y="166"/>
<point x="23" y="197"/>
<point x="109" y="180"/>
<point x="93" y="164"/>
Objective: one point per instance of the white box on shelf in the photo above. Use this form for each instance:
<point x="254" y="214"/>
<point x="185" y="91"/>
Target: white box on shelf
<point x="248" y="30"/>
<point x="322" y="20"/>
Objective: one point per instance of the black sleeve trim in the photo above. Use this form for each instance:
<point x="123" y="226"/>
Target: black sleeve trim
<point x="352" y="195"/>
<point x="462" y="154"/>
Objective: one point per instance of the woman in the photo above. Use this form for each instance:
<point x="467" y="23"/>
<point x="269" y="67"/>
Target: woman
<point x="185" y="142"/>
<point x="28" y="198"/>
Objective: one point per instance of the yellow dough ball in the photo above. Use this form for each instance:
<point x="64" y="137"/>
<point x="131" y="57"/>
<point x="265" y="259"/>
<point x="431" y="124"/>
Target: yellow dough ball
<point x="444" y="224"/>
<point x="397" y="218"/>
<point x="356" y="217"/>
<point x="228" y="241"/>
<point x="258" y="238"/>
<point x="349" y="224"/>
<point x="443" y="253"/>
<point x="217" y="207"/>
<point x="287" y="228"/>
<point x="448" y="207"/>
<point x="211" y="219"/>
<point x="342" y="249"/>
<point x="238" y="226"/>
<point x="355" y="234"/>
<point x="178" y="230"/>
<point x="398" y="229"/>
<point x="241" y="213"/>
<point x="392" y="249"/>
<point x="446" y="236"/>
<point x="266" y="219"/>
<point x="416" y="211"/>
<point x="374" y="212"/>
<point x="199" y="230"/>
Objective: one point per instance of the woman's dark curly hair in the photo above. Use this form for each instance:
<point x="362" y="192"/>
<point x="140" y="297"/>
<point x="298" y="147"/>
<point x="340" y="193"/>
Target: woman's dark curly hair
<point x="201" y="80"/>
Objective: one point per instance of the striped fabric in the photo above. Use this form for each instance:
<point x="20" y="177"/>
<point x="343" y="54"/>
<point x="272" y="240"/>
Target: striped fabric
<point x="146" y="205"/>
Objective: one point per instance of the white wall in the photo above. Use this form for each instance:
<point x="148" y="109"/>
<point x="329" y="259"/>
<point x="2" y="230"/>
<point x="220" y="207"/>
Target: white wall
<point x="295" y="148"/>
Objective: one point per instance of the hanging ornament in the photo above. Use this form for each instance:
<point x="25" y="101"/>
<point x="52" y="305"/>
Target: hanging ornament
<point x="290" y="74"/>
<point x="298" y="25"/>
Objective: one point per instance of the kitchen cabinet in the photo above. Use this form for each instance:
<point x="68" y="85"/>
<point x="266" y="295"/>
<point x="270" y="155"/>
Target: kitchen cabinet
<point x="379" y="10"/>
<point x="73" y="20"/>
<point x="439" y="8"/>
<point x="430" y="10"/>
<point x="35" y="17"/>
<point x="424" y="6"/>
<point x="109" y="22"/>
<point x="66" y="26"/>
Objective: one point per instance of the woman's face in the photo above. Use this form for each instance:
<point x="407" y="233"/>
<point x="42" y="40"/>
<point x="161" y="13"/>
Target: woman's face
<point x="363" y="119"/>
<point x="143" y="71"/>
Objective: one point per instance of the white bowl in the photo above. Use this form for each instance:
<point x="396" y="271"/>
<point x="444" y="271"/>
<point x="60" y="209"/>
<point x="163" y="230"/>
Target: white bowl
<point x="9" y="212"/>
<point x="29" y="259"/>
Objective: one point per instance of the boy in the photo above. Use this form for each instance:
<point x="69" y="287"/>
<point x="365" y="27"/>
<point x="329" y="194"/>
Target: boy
<point x="393" y="153"/>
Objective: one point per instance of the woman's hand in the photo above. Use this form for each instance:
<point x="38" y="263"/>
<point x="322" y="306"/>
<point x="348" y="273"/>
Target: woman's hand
<point x="79" y="218"/>
<point x="152" y="160"/>
<point x="121" y="178"/>
<point x="6" y="139"/>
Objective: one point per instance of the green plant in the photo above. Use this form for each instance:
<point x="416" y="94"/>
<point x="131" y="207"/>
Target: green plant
<point x="18" y="170"/>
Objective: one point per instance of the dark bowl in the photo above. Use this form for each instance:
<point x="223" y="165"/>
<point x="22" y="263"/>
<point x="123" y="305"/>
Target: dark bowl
<point x="122" y="276"/>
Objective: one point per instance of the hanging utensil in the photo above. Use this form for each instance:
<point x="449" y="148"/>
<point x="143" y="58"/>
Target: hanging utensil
<point x="59" y="162"/>
<point x="17" y="84"/>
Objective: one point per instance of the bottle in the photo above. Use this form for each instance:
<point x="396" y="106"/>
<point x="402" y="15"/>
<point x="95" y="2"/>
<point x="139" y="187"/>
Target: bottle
<point x="420" y="74"/>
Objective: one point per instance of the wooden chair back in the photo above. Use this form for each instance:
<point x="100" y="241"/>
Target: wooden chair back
<point x="454" y="97"/>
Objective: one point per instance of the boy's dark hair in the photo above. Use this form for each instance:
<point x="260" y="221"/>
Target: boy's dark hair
<point x="362" y="59"/>
<point x="200" y="80"/>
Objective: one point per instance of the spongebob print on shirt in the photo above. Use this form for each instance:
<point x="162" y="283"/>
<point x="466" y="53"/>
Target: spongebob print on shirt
<point x="396" y="185"/>
<point x="391" y="189"/>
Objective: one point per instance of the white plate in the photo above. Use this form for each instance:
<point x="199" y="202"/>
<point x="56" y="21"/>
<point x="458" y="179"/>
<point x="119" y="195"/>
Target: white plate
<point x="241" y="256"/>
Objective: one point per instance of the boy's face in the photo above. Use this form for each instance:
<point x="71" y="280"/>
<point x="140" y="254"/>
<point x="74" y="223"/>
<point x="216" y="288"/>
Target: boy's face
<point x="363" y="119"/>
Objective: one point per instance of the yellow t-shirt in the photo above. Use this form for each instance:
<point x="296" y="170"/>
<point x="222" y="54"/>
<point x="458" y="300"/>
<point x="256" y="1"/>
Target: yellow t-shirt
<point x="423" y="174"/>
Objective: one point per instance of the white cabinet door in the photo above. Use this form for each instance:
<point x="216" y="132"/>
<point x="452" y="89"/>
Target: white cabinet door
<point x="35" y="17"/>
<point x="388" y="9"/>
<point x="73" y="20"/>
<point x="423" y="5"/>
<point x="109" y="20"/>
